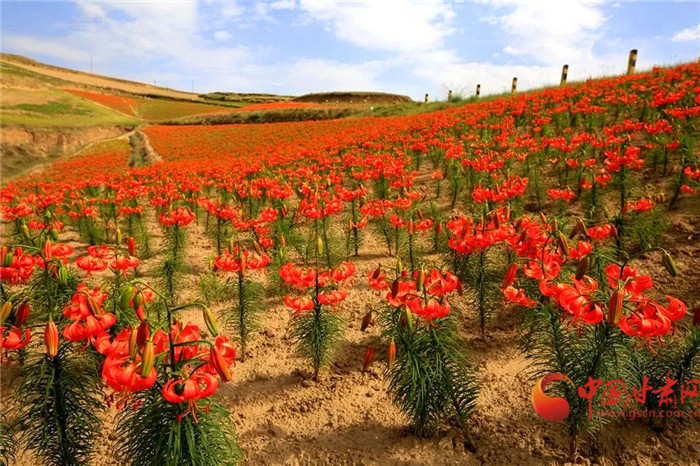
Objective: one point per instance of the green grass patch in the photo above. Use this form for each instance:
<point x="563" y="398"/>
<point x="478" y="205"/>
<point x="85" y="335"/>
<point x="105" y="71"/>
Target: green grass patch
<point x="60" y="109"/>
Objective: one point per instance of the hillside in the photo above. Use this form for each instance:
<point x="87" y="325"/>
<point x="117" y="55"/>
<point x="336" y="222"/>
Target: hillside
<point x="49" y="111"/>
<point x="547" y="232"/>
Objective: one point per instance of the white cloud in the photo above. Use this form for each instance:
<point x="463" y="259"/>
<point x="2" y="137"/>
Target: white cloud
<point x="314" y="75"/>
<point x="553" y="30"/>
<point x="222" y="35"/>
<point x="176" y="42"/>
<point x="282" y="5"/>
<point x="393" y="25"/>
<point x="230" y="9"/>
<point x="442" y="70"/>
<point x="34" y="46"/>
<point x="688" y="35"/>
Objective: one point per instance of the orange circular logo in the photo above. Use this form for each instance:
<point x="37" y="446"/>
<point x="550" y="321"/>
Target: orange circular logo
<point x="553" y="409"/>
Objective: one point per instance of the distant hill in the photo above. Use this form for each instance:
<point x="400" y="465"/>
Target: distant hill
<point x="353" y="97"/>
<point x="91" y="80"/>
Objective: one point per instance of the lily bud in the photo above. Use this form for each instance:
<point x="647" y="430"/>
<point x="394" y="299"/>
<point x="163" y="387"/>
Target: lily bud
<point x="212" y="265"/>
<point x="257" y="248"/>
<point x="148" y="358"/>
<point x="138" y="300"/>
<point x="319" y="245"/>
<point x="25" y="231"/>
<point x="421" y="279"/>
<point x="217" y="360"/>
<point x="606" y="212"/>
<point x="6" y="257"/>
<point x="54" y="234"/>
<point x="62" y="275"/>
<point x="395" y="288"/>
<point x="143" y="333"/>
<point x="543" y="217"/>
<point x="283" y="242"/>
<point x="669" y="264"/>
<point x="409" y="318"/>
<point x="399" y="266"/>
<point x="350" y="225"/>
<point x="131" y="245"/>
<point x="366" y="321"/>
<point x="391" y="353"/>
<point x="119" y="236"/>
<point x="563" y="244"/>
<point x="48" y="250"/>
<point x="579" y="228"/>
<point x="614" y="232"/>
<point x="510" y="275"/>
<point x="133" y="343"/>
<point x="438" y="228"/>
<point x="5" y="310"/>
<point x="369" y="357"/>
<point x="93" y="306"/>
<point x="125" y="297"/>
<point x="615" y="308"/>
<point x="231" y="245"/>
<point x="51" y="339"/>
<point x="210" y="320"/>
<point x="582" y="267"/>
<point x="22" y="314"/>
<point x="243" y="264"/>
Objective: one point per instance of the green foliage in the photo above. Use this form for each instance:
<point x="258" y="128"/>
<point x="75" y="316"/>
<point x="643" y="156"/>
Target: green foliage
<point x="152" y="434"/>
<point x="431" y="381"/>
<point x="172" y="264"/>
<point x="54" y="107"/>
<point x="8" y="443"/>
<point x="47" y="295"/>
<point x="678" y="359"/>
<point x="248" y="297"/>
<point x="90" y="232"/>
<point x="589" y="351"/>
<point x="59" y="405"/>
<point x="480" y="275"/>
<point x="213" y="289"/>
<point x="143" y="238"/>
<point x="644" y="230"/>
<point x="315" y="333"/>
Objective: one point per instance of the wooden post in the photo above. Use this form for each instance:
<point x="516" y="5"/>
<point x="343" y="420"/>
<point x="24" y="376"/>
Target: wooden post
<point x="632" y="62"/>
<point x="478" y="90"/>
<point x="564" y="73"/>
<point x="514" y="87"/>
<point x="426" y="98"/>
<point x="449" y="95"/>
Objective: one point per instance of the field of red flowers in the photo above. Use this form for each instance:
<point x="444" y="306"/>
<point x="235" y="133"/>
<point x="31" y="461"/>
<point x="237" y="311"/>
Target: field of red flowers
<point x="367" y="290"/>
<point x="149" y="109"/>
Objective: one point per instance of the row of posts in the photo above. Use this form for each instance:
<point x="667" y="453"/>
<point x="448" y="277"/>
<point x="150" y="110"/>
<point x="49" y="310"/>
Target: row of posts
<point x="631" y="64"/>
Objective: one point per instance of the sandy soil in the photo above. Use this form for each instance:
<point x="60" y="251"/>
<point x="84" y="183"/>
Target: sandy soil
<point x="283" y="417"/>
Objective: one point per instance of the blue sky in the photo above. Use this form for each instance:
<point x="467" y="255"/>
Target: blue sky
<point x="298" y="46"/>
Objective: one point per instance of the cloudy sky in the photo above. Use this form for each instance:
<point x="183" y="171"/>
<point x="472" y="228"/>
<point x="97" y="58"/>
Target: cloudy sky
<point x="299" y="46"/>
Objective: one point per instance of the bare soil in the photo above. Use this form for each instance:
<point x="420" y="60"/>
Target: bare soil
<point x="24" y="148"/>
<point x="283" y="417"/>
